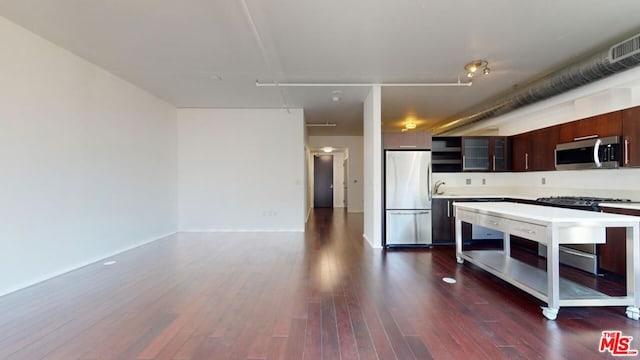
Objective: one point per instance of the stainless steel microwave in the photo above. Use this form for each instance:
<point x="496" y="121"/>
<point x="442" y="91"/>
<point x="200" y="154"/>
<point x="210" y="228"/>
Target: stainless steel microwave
<point x="595" y="153"/>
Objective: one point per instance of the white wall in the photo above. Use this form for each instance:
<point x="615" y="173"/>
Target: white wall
<point x="355" y="147"/>
<point x="614" y="183"/>
<point x="88" y="162"/>
<point x="373" y="168"/>
<point x="338" y="179"/>
<point x="307" y="195"/>
<point x="241" y="170"/>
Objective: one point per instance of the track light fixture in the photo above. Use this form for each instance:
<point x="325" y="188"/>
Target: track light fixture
<point x="476" y="65"/>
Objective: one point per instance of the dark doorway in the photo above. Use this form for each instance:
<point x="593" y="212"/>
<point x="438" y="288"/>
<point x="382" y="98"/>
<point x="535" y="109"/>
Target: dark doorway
<point x="323" y="181"/>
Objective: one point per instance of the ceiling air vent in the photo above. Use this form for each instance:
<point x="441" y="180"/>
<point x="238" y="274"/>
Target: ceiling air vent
<point x="623" y="50"/>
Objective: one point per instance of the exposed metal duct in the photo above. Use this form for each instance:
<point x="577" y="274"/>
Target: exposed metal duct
<point x="617" y="58"/>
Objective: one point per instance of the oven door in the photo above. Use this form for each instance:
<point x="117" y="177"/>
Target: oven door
<point x="580" y="256"/>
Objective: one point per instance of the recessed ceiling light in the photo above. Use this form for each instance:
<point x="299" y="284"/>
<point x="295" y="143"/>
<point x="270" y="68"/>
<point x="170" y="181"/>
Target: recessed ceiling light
<point x="327" y="149"/>
<point x="335" y="95"/>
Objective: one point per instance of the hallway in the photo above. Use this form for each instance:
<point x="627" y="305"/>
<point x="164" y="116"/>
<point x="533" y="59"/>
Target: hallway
<point x="322" y="294"/>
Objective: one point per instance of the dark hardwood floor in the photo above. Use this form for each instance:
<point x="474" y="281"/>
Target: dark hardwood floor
<point x="319" y="295"/>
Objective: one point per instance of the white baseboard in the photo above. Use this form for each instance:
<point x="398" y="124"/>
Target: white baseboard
<point x="369" y="242"/>
<point x="79" y="265"/>
<point x="242" y="230"/>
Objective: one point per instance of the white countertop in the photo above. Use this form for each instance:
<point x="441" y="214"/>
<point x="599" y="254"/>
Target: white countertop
<point x="546" y="215"/>
<point x="484" y="196"/>
<point x="617" y="205"/>
<point x="632" y="206"/>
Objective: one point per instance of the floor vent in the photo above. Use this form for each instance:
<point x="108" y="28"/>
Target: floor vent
<point x="625" y="49"/>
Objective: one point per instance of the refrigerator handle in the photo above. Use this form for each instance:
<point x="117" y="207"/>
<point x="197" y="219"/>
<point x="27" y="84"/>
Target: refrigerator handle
<point x="429" y="180"/>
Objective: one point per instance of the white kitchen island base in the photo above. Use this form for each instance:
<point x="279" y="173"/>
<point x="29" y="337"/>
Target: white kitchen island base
<point x="551" y="227"/>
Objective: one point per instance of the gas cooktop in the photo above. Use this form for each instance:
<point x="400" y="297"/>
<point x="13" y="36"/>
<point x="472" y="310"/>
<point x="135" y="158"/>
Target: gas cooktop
<point x="577" y="202"/>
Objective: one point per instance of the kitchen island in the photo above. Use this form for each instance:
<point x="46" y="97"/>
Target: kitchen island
<point x="551" y="227"/>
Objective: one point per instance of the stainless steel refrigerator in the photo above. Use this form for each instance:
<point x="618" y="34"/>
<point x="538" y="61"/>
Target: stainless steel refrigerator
<point x="407" y="195"/>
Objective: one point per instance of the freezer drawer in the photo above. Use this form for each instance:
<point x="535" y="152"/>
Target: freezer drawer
<point x="408" y="227"/>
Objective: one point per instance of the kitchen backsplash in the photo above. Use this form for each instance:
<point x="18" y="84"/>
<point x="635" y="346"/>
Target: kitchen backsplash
<point x="616" y="183"/>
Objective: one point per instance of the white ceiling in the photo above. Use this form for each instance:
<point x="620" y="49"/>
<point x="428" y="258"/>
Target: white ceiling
<point x="210" y="53"/>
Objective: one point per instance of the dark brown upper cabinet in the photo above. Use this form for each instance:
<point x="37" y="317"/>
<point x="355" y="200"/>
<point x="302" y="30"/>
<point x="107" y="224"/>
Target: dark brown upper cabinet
<point x="609" y="124"/>
<point x="544" y="142"/>
<point x="535" y="150"/>
<point x="521" y="148"/>
<point x="631" y="136"/>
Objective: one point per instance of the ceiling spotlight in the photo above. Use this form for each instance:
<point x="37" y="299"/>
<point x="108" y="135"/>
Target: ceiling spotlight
<point x="475" y="65"/>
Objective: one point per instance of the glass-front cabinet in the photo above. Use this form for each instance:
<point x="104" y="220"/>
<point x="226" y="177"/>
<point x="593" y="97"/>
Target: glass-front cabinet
<point x="500" y="158"/>
<point x="475" y="154"/>
<point x="485" y="153"/>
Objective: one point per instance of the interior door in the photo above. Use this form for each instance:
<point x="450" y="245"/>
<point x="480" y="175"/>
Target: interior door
<point x="323" y="181"/>
<point x="345" y="182"/>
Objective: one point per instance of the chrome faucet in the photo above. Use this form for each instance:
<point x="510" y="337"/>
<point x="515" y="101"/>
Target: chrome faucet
<point x="437" y="186"/>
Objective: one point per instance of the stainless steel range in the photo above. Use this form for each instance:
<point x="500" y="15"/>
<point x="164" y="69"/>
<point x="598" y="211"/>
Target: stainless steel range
<point x="581" y="256"/>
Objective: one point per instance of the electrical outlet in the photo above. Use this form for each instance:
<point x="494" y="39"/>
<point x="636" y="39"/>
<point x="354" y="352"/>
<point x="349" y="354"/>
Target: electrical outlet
<point x="544" y="181"/>
<point x="484" y="181"/>
<point x="468" y="181"/>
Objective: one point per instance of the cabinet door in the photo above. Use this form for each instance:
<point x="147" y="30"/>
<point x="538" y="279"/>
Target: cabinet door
<point x="475" y="153"/>
<point x="542" y="155"/>
<point x="520" y="145"/>
<point x="500" y="159"/>
<point x="631" y="136"/>
<point x="418" y="140"/>
<point x="442" y="221"/>
<point x="609" y="124"/>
